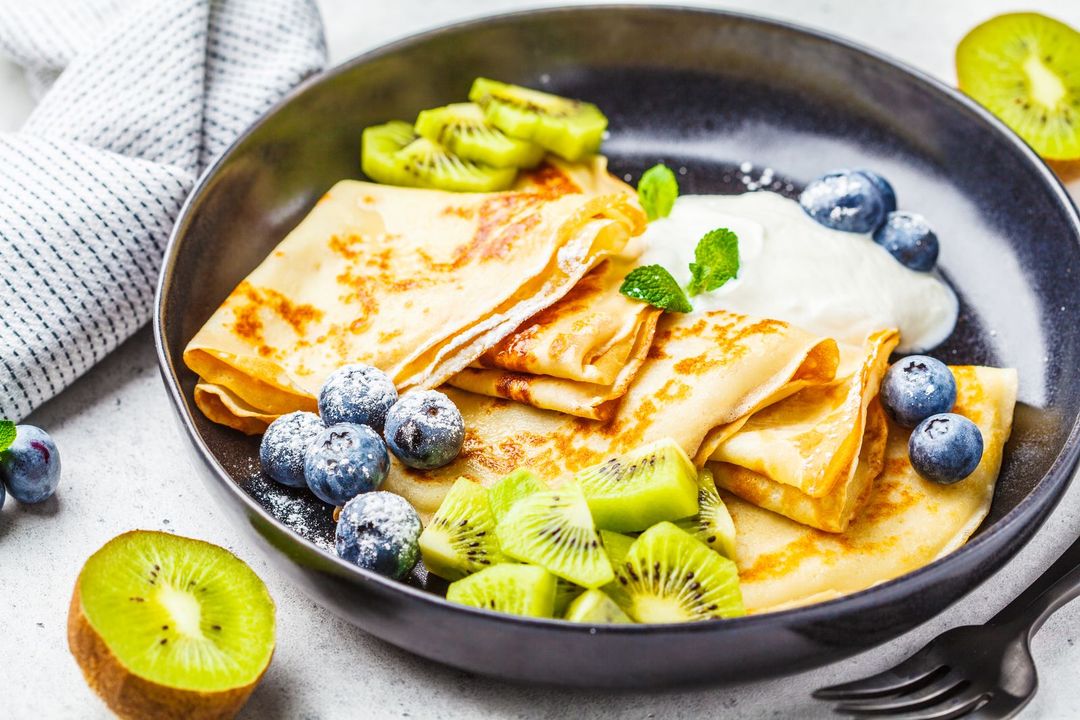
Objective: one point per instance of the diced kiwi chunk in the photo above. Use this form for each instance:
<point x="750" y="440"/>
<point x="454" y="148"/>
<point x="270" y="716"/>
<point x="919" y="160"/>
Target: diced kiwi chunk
<point x="712" y="524"/>
<point x="518" y="484"/>
<point x="645" y="486"/>
<point x="393" y="154"/>
<point x="167" y="626"/>
<point x="509" y="588"/>
<point x="460" y="539"/>
<point x="593" y="606"/>
<point x="463" y="129"/>
<point x="670" y="577"/>
<point x="616" y="545"/>
<point x="565" y="593"/>
<point x="572" y="129"/>
<point x="553" y="529"/>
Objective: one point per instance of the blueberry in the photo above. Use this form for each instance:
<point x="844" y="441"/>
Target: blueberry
<point x="379" y="531"/>
<point x="281" y="453"/>
<point x="888" y="195"/>
<point x="425" y="429"/>
<point x="30" y="467"/>
<point x="344" y="461"/>
<point x="909" y="239"/>
<point x="844" y="200"/>
<point x="359" y="394"/>
<point x="945" y="448"/>
<point x="917" y="387"/>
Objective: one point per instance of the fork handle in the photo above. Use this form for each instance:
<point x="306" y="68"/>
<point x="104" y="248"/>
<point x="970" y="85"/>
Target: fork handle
<point x="1053" y="589"/>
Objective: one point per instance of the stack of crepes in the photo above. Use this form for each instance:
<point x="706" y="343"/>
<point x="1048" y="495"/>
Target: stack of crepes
<point x="510" y="303"/>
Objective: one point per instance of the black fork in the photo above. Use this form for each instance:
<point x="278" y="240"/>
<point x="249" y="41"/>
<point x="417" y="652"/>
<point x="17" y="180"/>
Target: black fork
<point x="973" y="671"/>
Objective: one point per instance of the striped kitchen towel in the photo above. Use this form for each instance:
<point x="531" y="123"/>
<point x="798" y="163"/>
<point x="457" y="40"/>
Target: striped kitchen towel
<point x="136" y="99"/>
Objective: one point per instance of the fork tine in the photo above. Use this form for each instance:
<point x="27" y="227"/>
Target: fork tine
<point x="904" y="676"/>
<point x="942" y="688"/>
<point x="955" y="705"/>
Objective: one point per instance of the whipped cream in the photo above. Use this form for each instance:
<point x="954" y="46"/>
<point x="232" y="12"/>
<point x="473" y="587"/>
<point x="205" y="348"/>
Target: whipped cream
<point x="837" y="284"/>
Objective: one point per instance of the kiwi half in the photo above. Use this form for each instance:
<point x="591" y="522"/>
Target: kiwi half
<point x="463" y="129"/>
<point x="1025" y="68"/>
<point x="593" y="606"/>
<point x="669" y="577"/>
<point x="712" y="524"/>
<point x="460" y="539"/>
<point x="569" y="128"/>
<point x="168" y="627"/>
<point x="393" y="154"/>
<point x="648" y="485"/>
<point x="509" y="588"/>
<point x="553" y="529"/>
<point x="518" y="484"/>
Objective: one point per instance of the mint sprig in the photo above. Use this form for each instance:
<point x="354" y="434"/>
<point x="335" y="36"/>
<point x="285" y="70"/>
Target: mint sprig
<point x="716" y="260"/>
<point x="7" y="434"/>
<point x="654" y="285"/>
<point x="657" y="190"/>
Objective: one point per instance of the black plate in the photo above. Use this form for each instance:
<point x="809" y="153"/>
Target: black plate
<point x="706" y="91"/>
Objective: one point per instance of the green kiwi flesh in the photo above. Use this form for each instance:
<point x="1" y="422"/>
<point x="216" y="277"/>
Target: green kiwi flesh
<point x="463" y="129"/>
<point x="645" y="486"/>
<point x="518" y="484"/>
<point x="670" y="577"/>
<point x="712" y="524"/>
<point x="565" y="593"/>
<point x="554" y="529"/>
<point x="460" y="539"/>
<point x="593" y="606"/>
<point x="571" y="129"/>
<point x="509" y="588"/>
<point x="393" y="154"/>
<point x="1025" y="68"/>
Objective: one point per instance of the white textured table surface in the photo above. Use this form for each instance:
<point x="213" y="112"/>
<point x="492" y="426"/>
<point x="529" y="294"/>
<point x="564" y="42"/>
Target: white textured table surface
<point x="124" y="468"/>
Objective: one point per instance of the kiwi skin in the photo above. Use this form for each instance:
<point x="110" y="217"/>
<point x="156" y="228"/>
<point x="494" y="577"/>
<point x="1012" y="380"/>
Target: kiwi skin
<point x="133" y="697"/>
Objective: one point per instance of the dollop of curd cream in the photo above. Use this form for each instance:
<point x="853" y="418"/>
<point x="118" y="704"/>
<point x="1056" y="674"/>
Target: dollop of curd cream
<point x="836" y="284"/>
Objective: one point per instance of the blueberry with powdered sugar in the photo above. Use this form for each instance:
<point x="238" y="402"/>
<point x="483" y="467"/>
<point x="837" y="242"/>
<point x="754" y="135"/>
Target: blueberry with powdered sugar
<point x="425" y="429"/>
<point x="379" y="531"/>
<point x="359" y="394"/>
<point x="281" y="453"/>
<point x="344" y="461"/>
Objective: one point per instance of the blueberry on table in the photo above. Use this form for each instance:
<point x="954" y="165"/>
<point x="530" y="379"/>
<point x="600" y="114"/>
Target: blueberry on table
<point x="917" y="387"/>
<point x="888" y="195"/>
<point x="281" y="452"/>
<point x="845" y="200"/>
<point x="344" y="461"/>
<point x="30" y="467"/>
<point x="425" y="429"/>
<point x="379" y="531"/>
<point x="359" y="394"/>
<point x="945" y="448"/>
<point x="909" y="239"/>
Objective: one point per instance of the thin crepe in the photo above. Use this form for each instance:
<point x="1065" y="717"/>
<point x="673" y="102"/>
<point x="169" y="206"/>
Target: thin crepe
<point x="417" y="282"/>
<point x="907" y="522"/>
<point x="799" y="457"/>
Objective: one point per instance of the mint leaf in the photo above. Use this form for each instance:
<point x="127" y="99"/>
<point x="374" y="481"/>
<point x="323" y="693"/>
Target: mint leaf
<point x="716" y="260"/>
<point x="657" y="190"/>
<point x="654" y="285"/>
<point x="7" y="434"/>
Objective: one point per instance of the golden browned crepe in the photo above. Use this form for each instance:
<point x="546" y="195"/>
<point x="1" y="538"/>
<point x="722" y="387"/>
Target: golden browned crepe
<point x="906" y="523"/>
<point x="799" y="456"/>
<point x="419" y="283"/>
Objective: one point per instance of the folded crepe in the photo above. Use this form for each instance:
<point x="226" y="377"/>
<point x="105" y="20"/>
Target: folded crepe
<point x="419" y="283"/>
<point x="703" y="373"/>
<point x="799" y="457"/>
<point x="907" y="522"/>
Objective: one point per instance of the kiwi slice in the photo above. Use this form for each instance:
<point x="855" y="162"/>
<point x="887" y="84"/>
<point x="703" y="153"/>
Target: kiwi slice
<point x="645" y="486"/>
<point x="669" y="576"/>
<point x="518" y="484"/>
<point x="571" y="129"/>
<point x="712" y="524"/>
<point x="166" y="626"/>
<point x="593" y="606"/>
<point x="565" y="593"/>
<point x="616" y="545"/>
<point x="393" y="154"/>
<point x="1025" y="68"/>
<point x="553" y="529"/>
<point x="460" y="539"/>
<point x="508" y="588"/>
<point x="463" y="129"/>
